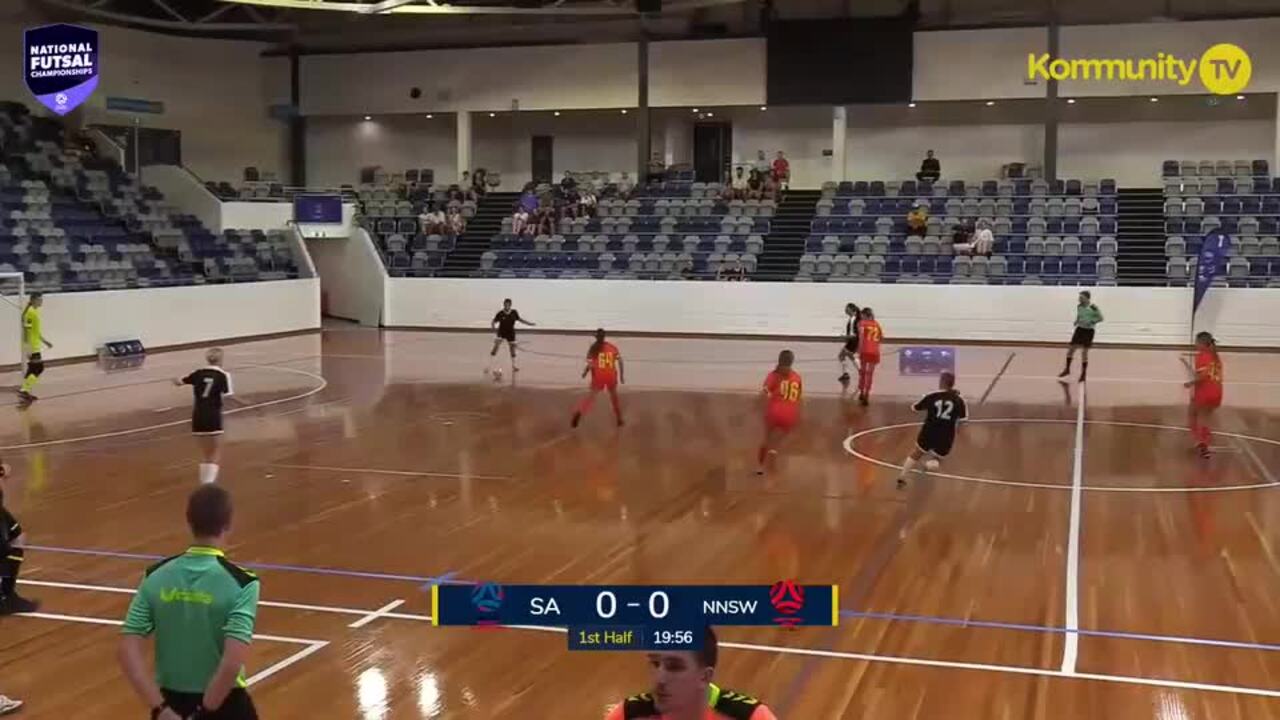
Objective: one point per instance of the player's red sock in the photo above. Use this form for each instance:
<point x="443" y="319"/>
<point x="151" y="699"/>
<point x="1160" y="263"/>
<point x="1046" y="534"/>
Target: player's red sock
<point x="617" y="405"/>
<point x="762" y="454"/>
<point x="585" y="404"/>
<point x="1202" y="433"/>
<point x="866" y="378"/>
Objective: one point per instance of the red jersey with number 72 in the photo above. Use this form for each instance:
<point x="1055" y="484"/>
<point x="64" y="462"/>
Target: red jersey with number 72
<point x="869" y="343"/>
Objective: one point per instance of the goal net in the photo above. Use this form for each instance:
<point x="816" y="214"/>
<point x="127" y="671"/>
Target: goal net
<point x="13" y="298"/>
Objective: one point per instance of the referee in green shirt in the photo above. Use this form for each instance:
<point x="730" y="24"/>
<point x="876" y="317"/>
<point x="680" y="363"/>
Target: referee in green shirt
<point x="1087" y="318"/>
<point x="201" y="609"/>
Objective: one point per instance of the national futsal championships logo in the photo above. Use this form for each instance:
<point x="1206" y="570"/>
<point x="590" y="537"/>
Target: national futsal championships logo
<point x="1224" y="69"/>
<point x="60" y="65"/>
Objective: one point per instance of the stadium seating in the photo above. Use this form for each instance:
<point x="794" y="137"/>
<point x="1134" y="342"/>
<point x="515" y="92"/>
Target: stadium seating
<point x="74" y="222"/>
<point x="1237" y="196"/>
<point x="677" y="230"/>
<point x="1046" y="233"/>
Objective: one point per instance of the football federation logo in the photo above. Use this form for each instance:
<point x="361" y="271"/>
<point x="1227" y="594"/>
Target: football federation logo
<point x="787" y="598"/>
<point x="487" y="598"/>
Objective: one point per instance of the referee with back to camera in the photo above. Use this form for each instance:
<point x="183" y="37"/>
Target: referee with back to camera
<point x="201" y="609"/>
<point x="682" y="690"/>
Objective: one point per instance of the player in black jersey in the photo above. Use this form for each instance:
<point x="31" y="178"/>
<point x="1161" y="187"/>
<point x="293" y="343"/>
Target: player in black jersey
<point x="504" y="323"/>
<point x="944" y="410"/>
<point x="209" y="385"/>
<point x="12" y="542"/>
<point x="682" y="690"/>
<point x="850" y="350"/>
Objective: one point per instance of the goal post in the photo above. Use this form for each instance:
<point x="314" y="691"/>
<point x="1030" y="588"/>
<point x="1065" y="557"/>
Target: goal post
<point x="13" y="299"/>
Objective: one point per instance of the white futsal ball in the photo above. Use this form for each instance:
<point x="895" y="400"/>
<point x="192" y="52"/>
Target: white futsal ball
<point x="930" y="464"/>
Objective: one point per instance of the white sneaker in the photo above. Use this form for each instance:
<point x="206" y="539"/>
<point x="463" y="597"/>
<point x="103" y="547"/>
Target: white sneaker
<point x="9" y="705"/>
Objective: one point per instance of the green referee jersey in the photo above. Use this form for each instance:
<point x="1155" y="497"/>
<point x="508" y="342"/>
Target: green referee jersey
<point x="1087" y="316"/>
<point x="192" y="603"/>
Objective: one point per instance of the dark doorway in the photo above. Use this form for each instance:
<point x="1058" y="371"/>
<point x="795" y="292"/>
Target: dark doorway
<point x="543" y="160"/>
<point x="712" y="151"/>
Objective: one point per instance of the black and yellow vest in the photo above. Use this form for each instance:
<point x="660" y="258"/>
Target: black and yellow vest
<point x="726" y="702"/>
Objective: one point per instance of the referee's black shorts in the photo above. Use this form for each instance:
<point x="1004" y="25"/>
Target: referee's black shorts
<point x="936" y="439"/>
<point x="1082" y="337"/>
<point x="237" y="706"/>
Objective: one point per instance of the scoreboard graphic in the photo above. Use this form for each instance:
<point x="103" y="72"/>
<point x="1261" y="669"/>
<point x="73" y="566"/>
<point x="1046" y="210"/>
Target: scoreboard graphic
<point x="635" y="617"/>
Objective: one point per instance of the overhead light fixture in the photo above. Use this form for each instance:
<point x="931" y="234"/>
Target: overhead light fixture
<point x="366" y="117"/>
<point x="1155" y="99"/>
<point x="1071" y="101"/>
<point x="711" y="114"/>
<point x="763" y="108"/>
<point x="556" y="113"/>
<point x="430" y="116"/>
<point x="911" y="105"/>
<point x="624" y="111"/>
<point x="493" y="114"/>
<point x="695" y="109"/>
<point x="1239" y="97"/>
<point x="990" y="103"/>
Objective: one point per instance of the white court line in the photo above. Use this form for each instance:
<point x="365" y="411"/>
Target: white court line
<point x="380" y="612"/>
<point x="1071" y="646"/>
<point x="315" y="645"/>
<point x="848" y="446"/>
<point x="376" y="471"/>
<point x="133" y="431"/>
<point x="296" y="657"/>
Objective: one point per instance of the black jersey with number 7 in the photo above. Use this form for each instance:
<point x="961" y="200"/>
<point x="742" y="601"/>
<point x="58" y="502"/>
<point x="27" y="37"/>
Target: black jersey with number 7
<point x="208" y="385"/>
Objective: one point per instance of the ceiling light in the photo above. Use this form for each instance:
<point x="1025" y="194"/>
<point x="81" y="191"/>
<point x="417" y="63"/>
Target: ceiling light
<point x="430" y="116"/>
<point x="1239" y="97"/>
<point x="366" y="117"/>
<point x="990" y="103"/>
<point x="911" y="105"/>
<point x="556" y="113"/>
<point x="763" y="108"/>
<point x="493" y="114"/>
<point x="711" y="114"/>
<point x="1071" y="101"/>
<point x="1155" y="99"/>
<point x="695" y="109"/>
<point x="624" y="111"/>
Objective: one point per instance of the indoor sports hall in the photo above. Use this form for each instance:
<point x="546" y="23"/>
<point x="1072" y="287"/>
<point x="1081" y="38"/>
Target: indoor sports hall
<point x="301" y="306"/>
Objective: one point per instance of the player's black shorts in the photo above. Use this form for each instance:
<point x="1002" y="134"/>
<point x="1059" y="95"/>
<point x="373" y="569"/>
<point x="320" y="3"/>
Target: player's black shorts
<point x="508" y="336"/>
<point x="237" y="706"/>
<point x="35" y="364"/>
<point x="206" y="422"/>
<point x="936" y="439"/>
<point x="12" y="529"/>
<point x="1082" y="337"/>
<point x="851" y="346"/>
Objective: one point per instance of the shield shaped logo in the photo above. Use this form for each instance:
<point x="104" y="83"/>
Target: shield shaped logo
<point x="60" y="65"/>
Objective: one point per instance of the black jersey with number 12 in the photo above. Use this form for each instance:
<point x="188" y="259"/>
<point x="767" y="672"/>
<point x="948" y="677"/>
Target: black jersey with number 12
<point x="945" y="408"/>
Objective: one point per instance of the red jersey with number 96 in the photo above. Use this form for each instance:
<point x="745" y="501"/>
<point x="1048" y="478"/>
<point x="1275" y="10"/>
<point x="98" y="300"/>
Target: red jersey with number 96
<point x="785" y="390"/>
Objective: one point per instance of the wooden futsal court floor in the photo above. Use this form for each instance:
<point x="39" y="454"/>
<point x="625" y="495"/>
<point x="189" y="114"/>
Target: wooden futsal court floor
<point x="1070" y="560"/>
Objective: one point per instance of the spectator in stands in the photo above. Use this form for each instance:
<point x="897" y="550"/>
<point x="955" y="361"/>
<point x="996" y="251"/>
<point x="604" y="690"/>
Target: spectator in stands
<point x="762" y="164"/>
<point x="431" y="221"/>
<point x="568" y="184"/>
<point x="454" y="223"/>
<point x="781" y="171"/>
<point x="520" y="222"/>
<point x="732" y="273"/>
<point x="479" y="183"/>
<point x="626" y="185"/>
<point x="544" y="220"/>
<point x="982" y="241"/>
<point x="455" y="193"/>
<point x="918" y="220"/>
<point x="755" y="184"/>
<point x="930" y="168"/>
<point x="962" y="236"/>
<point x="586" y="203"/>
<point x="657" y="169"/>
<point x="738" y="186"/>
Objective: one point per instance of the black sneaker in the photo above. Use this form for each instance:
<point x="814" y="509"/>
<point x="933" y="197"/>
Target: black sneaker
<point x="16" y="604"/>
<point x="844" y="379"/>
<point x="1204" y="451"/>
<point x="577" y="418"/>
<point x="863" y="400"/>
<point x="901" y="483"/>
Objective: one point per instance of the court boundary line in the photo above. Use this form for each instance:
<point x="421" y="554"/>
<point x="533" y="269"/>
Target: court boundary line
<point x="161" y="426"/>
<point x="314" y="646"/>
<point x="380" y="612"/>
<point x="848" y="447"/>
<point x="397" y="473"/>
<point x="310" y="646"/>
<point x="1071" y="608"/>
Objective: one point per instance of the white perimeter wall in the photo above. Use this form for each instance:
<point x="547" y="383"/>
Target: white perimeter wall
<point x="1045" y="314"/>
<point x="78" y="323"/>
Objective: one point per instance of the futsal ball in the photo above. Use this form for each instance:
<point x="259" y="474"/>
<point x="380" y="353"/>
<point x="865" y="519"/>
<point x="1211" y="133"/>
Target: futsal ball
<point x="930" y="464"/>
<point x="497" y="375"/>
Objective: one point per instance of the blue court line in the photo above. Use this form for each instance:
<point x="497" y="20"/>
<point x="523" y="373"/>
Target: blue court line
<point x="445" y="579"/>
<point x="961" y="622"/>
<point x="451" y="578"/>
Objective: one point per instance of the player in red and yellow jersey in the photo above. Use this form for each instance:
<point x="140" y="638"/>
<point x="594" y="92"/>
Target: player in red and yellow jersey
<point x="604" y="363"/>
<point x="869" y="336"/>
<point x="682" y="690"/>
<point x="1206" y="393"/>
<point x="783" y="388"/>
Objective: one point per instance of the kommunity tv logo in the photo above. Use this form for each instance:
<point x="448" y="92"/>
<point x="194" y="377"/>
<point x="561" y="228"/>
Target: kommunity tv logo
<point x="1223" y="69"/>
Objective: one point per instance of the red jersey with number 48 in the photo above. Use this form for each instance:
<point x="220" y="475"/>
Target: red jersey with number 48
<point x="1208" y="375"/>
<point x="604" y="366"/>
<point x="869" y="342"/>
